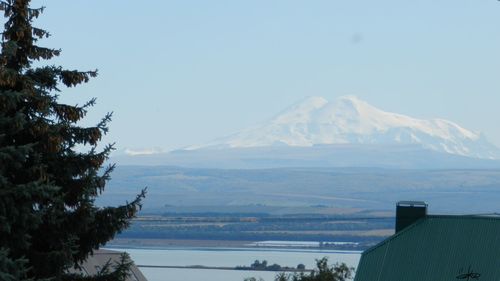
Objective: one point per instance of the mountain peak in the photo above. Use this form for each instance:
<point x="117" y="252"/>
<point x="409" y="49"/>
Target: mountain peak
<point x="307" y="104"/>
<point x="348" y="105"/>
<point x="300" y="112"/>
<point x="350" y="120"/>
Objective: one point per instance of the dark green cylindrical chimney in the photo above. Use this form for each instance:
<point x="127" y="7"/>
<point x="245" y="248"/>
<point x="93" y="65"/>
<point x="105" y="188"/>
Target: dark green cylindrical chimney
<point x="408" y="212"/>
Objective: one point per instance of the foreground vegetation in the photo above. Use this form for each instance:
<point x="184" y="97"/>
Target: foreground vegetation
<point x="51" y="168"/>
<point x="323" y="272"/>
<point x="258" y="265"/>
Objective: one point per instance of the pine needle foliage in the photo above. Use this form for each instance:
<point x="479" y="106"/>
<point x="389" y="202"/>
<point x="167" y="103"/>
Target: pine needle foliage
<point x="48" y="219"/>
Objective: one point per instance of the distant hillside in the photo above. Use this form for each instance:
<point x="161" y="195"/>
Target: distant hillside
<point x="304" y="190"/>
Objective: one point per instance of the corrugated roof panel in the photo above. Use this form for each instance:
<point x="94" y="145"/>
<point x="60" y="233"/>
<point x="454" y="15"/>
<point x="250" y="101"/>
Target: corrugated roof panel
<point x="436" y="248"/>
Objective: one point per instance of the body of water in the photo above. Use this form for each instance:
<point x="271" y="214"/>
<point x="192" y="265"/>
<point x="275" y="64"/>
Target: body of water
<point x="229" y="257"/>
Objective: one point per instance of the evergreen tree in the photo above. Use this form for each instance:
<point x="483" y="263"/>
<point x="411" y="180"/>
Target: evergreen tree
<point x="48" y="219"/>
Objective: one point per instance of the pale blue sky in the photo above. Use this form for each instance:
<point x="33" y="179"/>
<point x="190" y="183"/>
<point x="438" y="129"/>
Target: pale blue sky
<point x="183" y="72"/>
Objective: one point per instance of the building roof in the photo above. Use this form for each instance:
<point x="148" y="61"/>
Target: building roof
<point x="100" y="257"/>
<point x="436" y="248"/>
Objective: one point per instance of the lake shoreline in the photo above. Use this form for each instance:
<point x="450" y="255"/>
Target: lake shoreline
<point x="223" y="268"/>
<point x="165" y="244"/>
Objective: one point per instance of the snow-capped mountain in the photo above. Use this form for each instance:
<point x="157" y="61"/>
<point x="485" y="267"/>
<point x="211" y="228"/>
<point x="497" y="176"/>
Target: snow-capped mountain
<point x="349" y="120"/>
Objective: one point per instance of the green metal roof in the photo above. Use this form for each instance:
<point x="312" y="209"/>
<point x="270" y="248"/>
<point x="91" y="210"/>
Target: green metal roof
<point x="437" y="248"/>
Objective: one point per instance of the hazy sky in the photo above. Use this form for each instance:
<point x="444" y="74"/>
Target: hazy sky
<point x="177" y="73"/>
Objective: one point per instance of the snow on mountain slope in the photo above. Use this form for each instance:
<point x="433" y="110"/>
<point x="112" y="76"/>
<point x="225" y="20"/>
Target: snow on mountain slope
<point x="349" y="120"/>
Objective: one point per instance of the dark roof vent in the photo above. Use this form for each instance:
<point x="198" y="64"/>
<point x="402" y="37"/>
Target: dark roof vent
<point x="408" y="212"/>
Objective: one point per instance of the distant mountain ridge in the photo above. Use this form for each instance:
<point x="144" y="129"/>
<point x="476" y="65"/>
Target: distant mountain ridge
<point x="350" y="120"/>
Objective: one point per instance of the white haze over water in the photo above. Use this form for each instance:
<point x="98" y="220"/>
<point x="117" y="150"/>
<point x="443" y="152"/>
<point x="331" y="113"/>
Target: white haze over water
<point x="227" y="257"/>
